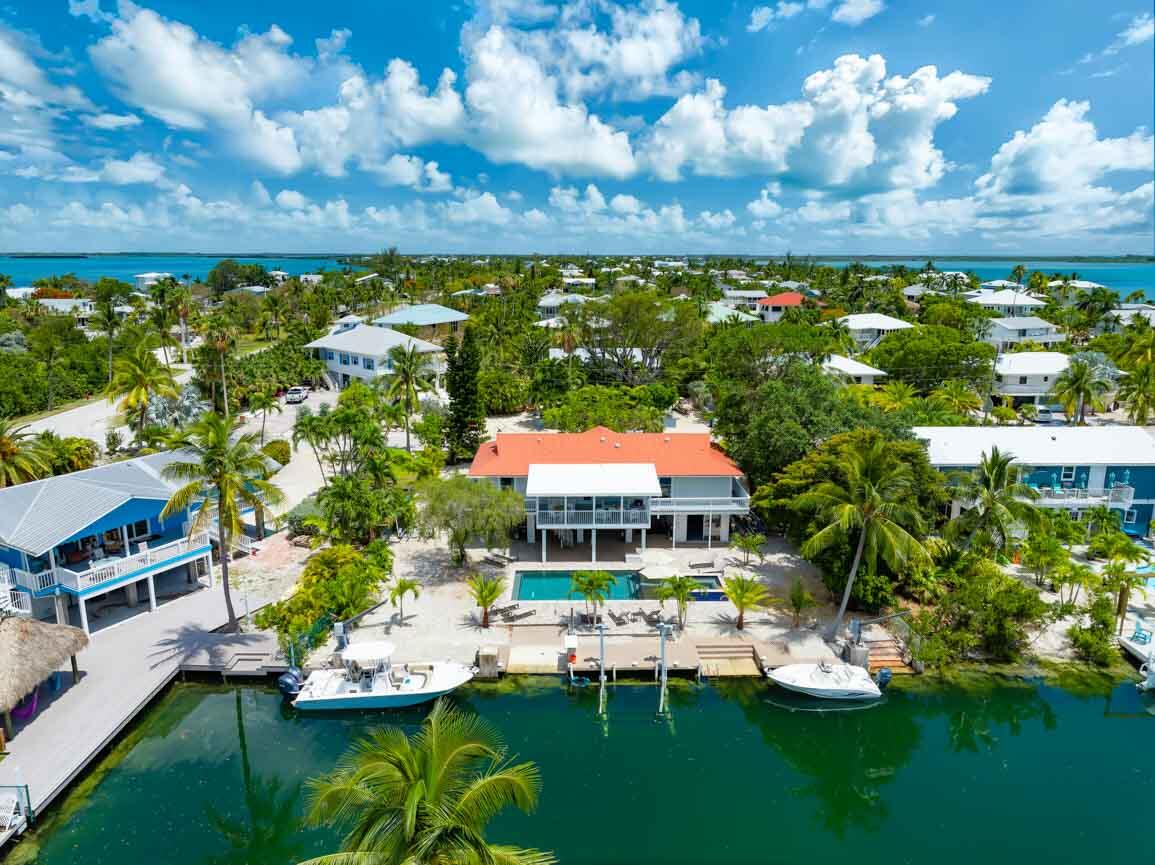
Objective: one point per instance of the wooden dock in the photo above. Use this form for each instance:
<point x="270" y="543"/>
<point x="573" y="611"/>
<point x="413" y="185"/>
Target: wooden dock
<point x="124" y="668"/>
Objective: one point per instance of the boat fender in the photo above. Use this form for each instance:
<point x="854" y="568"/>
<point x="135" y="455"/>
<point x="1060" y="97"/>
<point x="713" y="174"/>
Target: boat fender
<point x="289" y="683"/>
<point x="883" y="678"/>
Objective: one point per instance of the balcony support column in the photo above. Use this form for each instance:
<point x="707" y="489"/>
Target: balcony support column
<point x="60" y="607"/>
<point x="593" y="545"/>
<point x="151" y="594"/>
<point x="643" y="540"/>
<point x="124" y="540"/>
<point x="83" y="614"/>
<point x="544" y="545"/>
<point x="131" y="594"/>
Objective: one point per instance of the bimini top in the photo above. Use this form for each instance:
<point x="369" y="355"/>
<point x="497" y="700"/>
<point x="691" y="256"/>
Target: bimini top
<point x="601" y="479"/>
<point x="1040" y="445"/>
<point x="368" y="653"/>
<point x="671" y="454"/>
<point x="37" y="515"/>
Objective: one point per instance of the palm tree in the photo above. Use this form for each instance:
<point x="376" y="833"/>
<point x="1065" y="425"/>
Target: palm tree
<point x="22" y="456"/>
<point x="593" y="586"/>
<point x="224" y="475"/>
<point x="1137" y="391"/>
<point x="957" y="396"/>
<point x="895" y="396"/>
<point x="748" y="544"/>
<point x="681" y="591"/>
<point x="745" y="593"/>
<point x="409" y="381"/>
<point x="221" y="333"/>
<point x="160" y="318"/>
<point x="138" y="377"/>
<point x="1079" y="385"/>
<point x="999" y="502"/>
<point x="182" y="302"/>
<point x="876" y="502"/>
<point x="485" y="591"/>
<point x="264" y="401"/>
<point x="1101" y="518"/>
<point x="107" y="319"/>
<point x="425" y="798"/>
<point x="397" y="592"/>
<point x="800" y="600"/>
<point x="275" y="306"/>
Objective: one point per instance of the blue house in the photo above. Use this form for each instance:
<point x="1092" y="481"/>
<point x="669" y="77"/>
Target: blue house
<point x="1073" y="468"/>
<point x="66" y="541"/>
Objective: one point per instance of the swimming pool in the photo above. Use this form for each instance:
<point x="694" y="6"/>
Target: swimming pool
<point x="628" y="586"/>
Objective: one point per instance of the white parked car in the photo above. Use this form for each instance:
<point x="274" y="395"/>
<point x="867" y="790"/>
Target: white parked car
<point x="296" y="394"/>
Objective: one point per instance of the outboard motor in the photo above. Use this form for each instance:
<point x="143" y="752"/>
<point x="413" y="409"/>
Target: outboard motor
<point x="1148" y="673"/>
<point x="289" y="683"/>
<point x="883" y="678"/>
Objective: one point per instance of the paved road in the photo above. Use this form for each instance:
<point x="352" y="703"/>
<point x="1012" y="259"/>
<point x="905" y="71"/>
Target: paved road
<point x="91" y="420"/>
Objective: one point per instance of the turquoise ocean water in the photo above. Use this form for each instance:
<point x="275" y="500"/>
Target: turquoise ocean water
<point x="1124" y="277"/>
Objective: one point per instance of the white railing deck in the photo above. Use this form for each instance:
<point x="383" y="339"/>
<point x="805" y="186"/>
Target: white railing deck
<point x="100" y="574"/>
<point x="601" y="517"/>
<point x="15" y="601"/>
<point x="11" y="577"/>
<point x="1119" y="496"/>
<point x="666" y="505"/>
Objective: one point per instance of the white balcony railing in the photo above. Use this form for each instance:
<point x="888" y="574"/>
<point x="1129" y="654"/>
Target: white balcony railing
<point x="15" y="601"/>
<point x="11" y="577"/>
<point x="107" y="572"/>
<point x="717" y="504"/>
<point x="1118" y="496"/>
<point x="601" y="517"/>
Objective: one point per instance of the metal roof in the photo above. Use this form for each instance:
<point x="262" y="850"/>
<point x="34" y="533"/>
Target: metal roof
<point x="421" y="315"/>
<point x="1032" y="363"/>
<point x="592" y="479"/>
<point x="1040" y="445"/>
<point x="849" y="366"/>
<point x="370" y="341"/>
<point x="38" y="515"/>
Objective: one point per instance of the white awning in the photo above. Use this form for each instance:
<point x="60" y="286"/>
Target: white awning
<point x="592" y="479"/>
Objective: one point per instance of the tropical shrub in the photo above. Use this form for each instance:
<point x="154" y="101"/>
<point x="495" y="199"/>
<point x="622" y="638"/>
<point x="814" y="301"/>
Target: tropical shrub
<point x="279" y="450"/>
<point x="466" y="509"/>
<point x="336" y="584"/>
<point x="502" y="390"/>
<point x="622" y="409"/>
<point x="1093" y="641"/>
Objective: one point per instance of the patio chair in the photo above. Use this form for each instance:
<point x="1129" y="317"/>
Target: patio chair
<point x="703" y="564"/>
<point x="1142" y="635"/>
<point x="653" y="619"/>
<point x="517" y="617"/>
<point x="618" y="618"/>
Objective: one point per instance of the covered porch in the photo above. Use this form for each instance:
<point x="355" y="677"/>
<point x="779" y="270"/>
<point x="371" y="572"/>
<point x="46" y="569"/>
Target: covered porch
<point x="676" y="532"/>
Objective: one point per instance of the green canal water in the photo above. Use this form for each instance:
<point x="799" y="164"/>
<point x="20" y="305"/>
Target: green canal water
<point x="1015" y="773"/>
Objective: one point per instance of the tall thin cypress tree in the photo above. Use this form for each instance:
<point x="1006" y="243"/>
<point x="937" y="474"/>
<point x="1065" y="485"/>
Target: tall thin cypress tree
<point x="466" y="412"/>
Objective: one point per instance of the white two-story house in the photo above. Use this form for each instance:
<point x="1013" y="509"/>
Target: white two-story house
<point x="1028" y="376"/>
<point x="362" y="352"/>
<point x="621" y="486"/>
<point x="1006" y="333"/>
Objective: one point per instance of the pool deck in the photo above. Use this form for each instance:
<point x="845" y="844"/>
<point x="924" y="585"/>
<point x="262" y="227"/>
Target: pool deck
<point x="124" y="667"/>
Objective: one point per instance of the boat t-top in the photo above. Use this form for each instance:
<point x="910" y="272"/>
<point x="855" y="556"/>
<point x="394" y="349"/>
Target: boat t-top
<point x="368" y="679"/>
<point x="827" y="680"/>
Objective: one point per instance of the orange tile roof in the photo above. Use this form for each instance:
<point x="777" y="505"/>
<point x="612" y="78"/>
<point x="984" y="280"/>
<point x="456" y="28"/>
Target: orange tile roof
<point x="786" y="298"/>
<point x="672" y="454"/>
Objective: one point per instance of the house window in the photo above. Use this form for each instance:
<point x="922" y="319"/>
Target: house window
<point x="1068" y="473"/>
<point x="328" y="355"/>
<point x="507" y="483"/>
<point x="368" y="363"/>
<point x="1022" y="379"/>
<point x="344" y="360"/>
<point x="355" y="360"/>
<point x="858" y="379"/>
<point x="664" y="483"/>
<point x="1130" y="517"/>
<point x="139" y="529"/>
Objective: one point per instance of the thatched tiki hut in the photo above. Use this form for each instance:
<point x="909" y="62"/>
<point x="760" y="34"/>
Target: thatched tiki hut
<point x="30" y="652"/>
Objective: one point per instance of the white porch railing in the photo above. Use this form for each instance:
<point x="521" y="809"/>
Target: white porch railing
<point x="12" y="577"/>
<point x="105" y="573"/>
<point x="1119" y="496"/>
<point x="16" y="602"/>
<point x="602" y="517"/>
<point x="718" y="504"/>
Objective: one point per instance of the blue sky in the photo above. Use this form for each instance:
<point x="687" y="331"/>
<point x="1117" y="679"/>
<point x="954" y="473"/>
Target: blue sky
<point x="815" y="126"/>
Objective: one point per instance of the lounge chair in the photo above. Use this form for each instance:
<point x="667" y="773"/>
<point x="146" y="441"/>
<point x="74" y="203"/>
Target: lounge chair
<point x="1141" y="635"/>
<point x="503" y="611"/>
<point x="699" y="565"/>
<point x="517" y="617"/>
<point x="654" y="618"/>
<point x="618" y="618"/>
<point x="506" y="557"/>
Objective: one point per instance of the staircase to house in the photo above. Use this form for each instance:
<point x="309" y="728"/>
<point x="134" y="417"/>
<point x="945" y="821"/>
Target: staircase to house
<point x="720" y="658"/>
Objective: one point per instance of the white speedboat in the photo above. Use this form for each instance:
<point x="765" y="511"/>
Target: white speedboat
<point x="830" y="681"/>
<point x="369" y="679"/>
